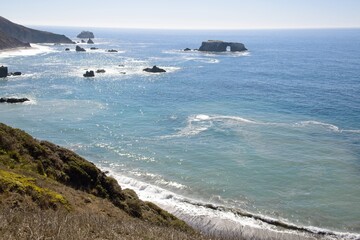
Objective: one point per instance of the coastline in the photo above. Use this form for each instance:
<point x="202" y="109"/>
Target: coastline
<point x="216" y="220"/>
<point x="35" y="49"/>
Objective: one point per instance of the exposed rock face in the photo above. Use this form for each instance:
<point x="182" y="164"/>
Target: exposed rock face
<point x="154" y="69"/>
<point x="86" y="34"/>
<point x="80" y="49"/>
<point x="89" y="74"/>
<point x="28" y="35"/>
<point x="220" y="46"/>
<point x="90" y="41"/>
<point x="3" y="72"/>
<point x="7" y="42"/>
<point x="13" y="100"/>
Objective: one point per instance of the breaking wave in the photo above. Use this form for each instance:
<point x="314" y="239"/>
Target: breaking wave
<point x="218" y="219"/>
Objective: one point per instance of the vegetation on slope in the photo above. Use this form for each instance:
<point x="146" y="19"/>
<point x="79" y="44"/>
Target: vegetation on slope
<point x="46" y="181"/>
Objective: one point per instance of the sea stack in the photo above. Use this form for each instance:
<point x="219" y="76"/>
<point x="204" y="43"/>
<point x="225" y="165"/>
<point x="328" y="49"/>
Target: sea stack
<point x="154" y="69"/>
<point x="86" y="34"/>
<point x="80" y="49"/>
<point x="221" y="46"/>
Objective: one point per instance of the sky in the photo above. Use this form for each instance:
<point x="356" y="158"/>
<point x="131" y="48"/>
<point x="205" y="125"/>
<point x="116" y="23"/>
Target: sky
<point x="185" y="14"/>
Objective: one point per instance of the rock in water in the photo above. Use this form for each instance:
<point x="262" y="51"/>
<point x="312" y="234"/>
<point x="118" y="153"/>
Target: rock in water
<point x="90" y="41"/>
<point x="154" y="69"/>
<point x="86" y="34"/>
<point x="187" y="49"/>
<point x="80" y="49"/>
<point x="67" y="49"/>
<point x="220" y="46"/>
<point x="100" y="71"/>
<point x="13" y="100"/>
<point x="3" y="72"/>
<point x="89" y="74"/>
<point x="112" y="50"/>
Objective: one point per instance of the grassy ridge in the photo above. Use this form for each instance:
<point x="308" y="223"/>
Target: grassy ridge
<point x="42" y="181"/>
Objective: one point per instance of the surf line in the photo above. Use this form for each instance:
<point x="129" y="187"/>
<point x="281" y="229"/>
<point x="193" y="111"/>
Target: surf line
<point x="270" y="221"/>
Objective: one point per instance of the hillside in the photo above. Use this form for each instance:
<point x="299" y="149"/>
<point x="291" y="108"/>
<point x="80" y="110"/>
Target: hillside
<point x="28" y="35"/>
<point x="47" y="191"/>
<point x="7" y="42"/>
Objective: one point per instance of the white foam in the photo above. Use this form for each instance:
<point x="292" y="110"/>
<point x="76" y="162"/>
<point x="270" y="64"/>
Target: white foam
<point x="34" y="50"/>
<point x="199" y="123"/>
<point x="219" y="220"/>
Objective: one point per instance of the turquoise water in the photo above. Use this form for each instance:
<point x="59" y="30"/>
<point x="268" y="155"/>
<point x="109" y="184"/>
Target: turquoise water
<point x="273" y="132"/>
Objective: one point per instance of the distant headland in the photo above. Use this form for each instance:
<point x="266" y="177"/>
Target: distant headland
<point x="13" y="35"/>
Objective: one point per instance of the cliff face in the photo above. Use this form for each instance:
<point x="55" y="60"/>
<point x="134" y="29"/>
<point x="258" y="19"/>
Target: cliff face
<point x="220" y="46"/>
<point x="29" y="35"/>
<point x="10" y="42"/>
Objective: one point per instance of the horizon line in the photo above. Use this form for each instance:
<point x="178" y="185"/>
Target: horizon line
<point x="199" y="29"/>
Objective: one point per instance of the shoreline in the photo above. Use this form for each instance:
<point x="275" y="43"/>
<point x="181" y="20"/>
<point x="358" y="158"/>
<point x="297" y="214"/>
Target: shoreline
<point x="35" y="49"/>
<point x="222" y="221"/>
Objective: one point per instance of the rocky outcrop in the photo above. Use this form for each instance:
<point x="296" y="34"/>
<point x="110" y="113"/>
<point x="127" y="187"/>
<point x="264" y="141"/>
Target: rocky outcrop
<point x="90" y="41"/>
<point x="29" y="35"/>
<point x="3" y="72"/>
<point x="89" y="74"/>
<point x="80" y="49"/>
<point x="93" y="48"/>
<point x="100" y="71"/>
<point x="221" y="46"/>
<point x="13" y="100"/>
<point x="154" y="69"/>
<point x="7" y="42"/>
<point x="86" y="34"/>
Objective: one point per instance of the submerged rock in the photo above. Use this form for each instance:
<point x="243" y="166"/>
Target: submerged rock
<point x="154" y="69"/>
<point x="89" y="74"/>
<point x="86" y="34"/>
<point x="80" y="49"/>
<point x="90" y="41"/>
<point x="13" y="100"/>
<point x="221" y="46"/>
<point x="3" y="72"/>
<point x="112" y="50"/>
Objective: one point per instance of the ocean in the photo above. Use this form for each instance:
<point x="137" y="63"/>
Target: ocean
<point x="263" y="143"/>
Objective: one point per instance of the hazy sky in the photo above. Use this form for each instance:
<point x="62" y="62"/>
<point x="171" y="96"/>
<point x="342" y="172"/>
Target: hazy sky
<point x="185" y="14"/>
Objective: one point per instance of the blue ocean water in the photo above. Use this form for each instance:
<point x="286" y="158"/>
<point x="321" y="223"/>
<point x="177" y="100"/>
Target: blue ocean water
<point x="273" y="133"/>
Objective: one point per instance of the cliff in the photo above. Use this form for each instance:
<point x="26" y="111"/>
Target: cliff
<point x="221" y="46"/>
<point x="28" y="35"/>
<point x="10" y="42"/>
<point x="47" y="191"/>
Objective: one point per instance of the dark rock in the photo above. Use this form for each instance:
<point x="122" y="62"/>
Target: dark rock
<point x="89" y="74"/>
<point x="90" y="41"/>
<point x="187" y="49"/>
<point x="123" y="72"/>
<point x="83" y="41"/>
<point x="80" y="49"/>
<point x="13" y="100"/>
<point x="3" y="72"/>
<point x="112" y="50"/>
<point x="67" y="49"/>
<point x="93" y="48"/>
<point x="100" y="71"/>
<point x="14" y="74"/>
<point x="154" y="69"/>
<point x="121" y="65"/>
<point x="220" y="46"/>
<point x="86" y="34"/>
